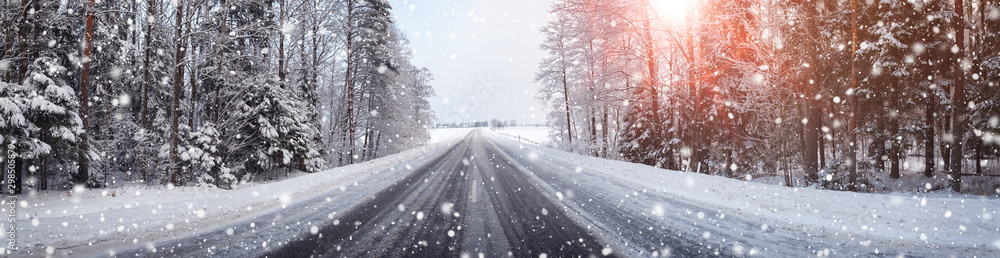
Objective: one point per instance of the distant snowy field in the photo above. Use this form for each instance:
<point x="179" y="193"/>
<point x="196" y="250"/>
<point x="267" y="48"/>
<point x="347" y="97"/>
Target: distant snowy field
<point x="538" y="135"/>
<point x="441" y="134"/>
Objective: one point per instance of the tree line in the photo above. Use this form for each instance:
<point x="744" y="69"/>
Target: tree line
<point x="203" y="92"/>
<point x="831" y="93"/>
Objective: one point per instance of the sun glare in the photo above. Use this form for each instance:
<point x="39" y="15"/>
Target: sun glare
<point x="672" y="9"/>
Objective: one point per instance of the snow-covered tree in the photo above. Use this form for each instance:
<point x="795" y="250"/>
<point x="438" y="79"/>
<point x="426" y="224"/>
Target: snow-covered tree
<point x="41" y="115"/>
<point x="204" y="92"/>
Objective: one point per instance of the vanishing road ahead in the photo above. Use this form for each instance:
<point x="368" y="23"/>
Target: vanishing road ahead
<point x="486" y="196"/>
<point x="468" y="200"/>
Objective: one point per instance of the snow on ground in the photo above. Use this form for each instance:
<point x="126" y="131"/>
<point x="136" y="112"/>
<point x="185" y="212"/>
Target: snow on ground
<point x="913" y="181"/>
<point x="934" y="224"/>
<point x="538" y="135"/>
<point x="94" y="221"/>
<point x="441" y="134"/>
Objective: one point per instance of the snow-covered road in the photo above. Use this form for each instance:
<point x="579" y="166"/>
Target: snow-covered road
<point x="464" y="202"/>
<point x="484" y="193"/>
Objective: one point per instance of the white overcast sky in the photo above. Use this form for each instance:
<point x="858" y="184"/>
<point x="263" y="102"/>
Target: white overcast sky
<point x="483" y="54"/>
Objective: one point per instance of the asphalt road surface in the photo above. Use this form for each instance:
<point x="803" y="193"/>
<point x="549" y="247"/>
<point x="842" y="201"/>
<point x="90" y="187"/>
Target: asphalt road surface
<point x="467" y="201"/>
<point x="485" y="197"/>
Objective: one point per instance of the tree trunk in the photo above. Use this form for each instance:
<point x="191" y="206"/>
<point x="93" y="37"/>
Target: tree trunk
<point x="349" y="82"/>
<point x="281" y="44"/>
<point x="880" y="153"/>
<point x="894" y="142"/>
<point x="787" y="168"/>
<point x="669" y="155"/>
<point x="194" y="93"/>
<point x="958" y="101"/>
<point x="220" y="82"/>
<point x="43" y="180"/>
<point x="929" y="136"/>
<point x="565" y="84"/>
<point x="821" y="145"/>
<point x="979" y="156"/>
<point x="83" y="172"/>
<point x="178" y="82"/>
<point x="695" y="118"/>
<point x="604" y="132"/>
<point x="26" y="38"/>
<point x="802" y="134"/>
<point x="593" y="134"/>
<point x="315" y="50"/>
<point x="378" y="137"/>
<point x="653" y="83"/>
<point x="852" y="130"/>
<point x="145" y="74"/>
<point x="811" y="89"/>
<point x="946" y="144"/>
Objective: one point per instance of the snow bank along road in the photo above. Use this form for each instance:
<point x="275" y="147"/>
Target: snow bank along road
<point x="492" y="196"/>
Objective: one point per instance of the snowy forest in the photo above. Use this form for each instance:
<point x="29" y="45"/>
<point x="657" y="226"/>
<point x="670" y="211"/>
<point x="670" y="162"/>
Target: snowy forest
<point x="837" y="94"/>
<point x="101" y="93"/>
